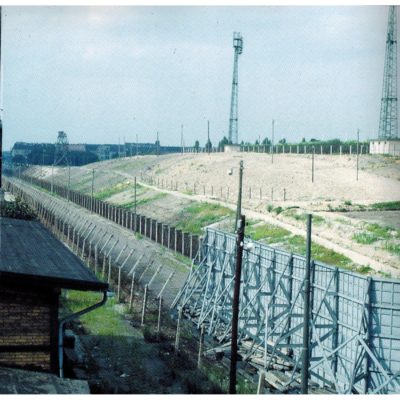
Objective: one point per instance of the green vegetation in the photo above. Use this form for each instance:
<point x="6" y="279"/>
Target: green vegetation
<point x="269" y="233"/>
<point x="365" y="269"/>
<point x="78" y="300"/>
<point x="144" y="201"/>
<point x="393" y="248"/>
<point x="365" y="238"/>
<point x="316" y="219"/>
<point x="199" y="215"/>
<point x="297" y="244"/>
<point x="386" y="206"/>
<point x="110" y="191"/>
<point x="374" y="233"/>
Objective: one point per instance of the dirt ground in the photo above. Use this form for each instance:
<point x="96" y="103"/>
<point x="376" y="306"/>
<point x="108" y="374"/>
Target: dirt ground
<point x="285" y="183"/>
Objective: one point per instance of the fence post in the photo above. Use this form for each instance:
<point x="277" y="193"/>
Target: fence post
<point x="131" y="293"/>
<point x="109" y="269"/>
<point x="178" y="330"/>
<point x="160" y="303"/>
<point x="201" y="343"/>
<point x="144" y="305"/>
<point x="95" y="259"/>
<point x="261" y="383"/>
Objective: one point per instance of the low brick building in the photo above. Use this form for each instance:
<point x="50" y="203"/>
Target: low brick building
<point x="34" y="267"/>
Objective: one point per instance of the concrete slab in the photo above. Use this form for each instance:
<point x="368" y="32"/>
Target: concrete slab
<point x="17" y="381"/>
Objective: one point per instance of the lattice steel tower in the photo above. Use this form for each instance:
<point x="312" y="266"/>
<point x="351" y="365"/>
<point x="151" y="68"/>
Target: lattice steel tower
<point x="233" y="120"/>
<point x="61" y="149"/>
<point x="388" y="126"/>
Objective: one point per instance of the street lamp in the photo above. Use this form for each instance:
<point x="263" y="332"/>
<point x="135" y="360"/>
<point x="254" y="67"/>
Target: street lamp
<point x="239" y="202"/>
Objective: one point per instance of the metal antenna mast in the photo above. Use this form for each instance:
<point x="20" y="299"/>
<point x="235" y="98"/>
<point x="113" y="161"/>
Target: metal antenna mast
<point x="233" y="120"/>
<point x="388" y="126"/>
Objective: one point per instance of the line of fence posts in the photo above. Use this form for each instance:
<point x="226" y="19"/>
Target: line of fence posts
<point x="282" y="148"/>
<point x="185" y="244"/>
<point x="57" y="226"/>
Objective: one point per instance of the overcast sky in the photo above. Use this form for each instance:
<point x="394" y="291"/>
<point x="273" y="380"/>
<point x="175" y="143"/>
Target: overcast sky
<point x="104" y="74"/>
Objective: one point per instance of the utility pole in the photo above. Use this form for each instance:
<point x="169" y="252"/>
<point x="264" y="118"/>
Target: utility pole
<point x="91" y="202"/>
<point x="239" y="203"/>
<point x="135" y="196"/>
<point x="306" y="320"/>
<point x="358" y="144"/>
<point x="272" y="142"/>
<point x="235" y="304"/>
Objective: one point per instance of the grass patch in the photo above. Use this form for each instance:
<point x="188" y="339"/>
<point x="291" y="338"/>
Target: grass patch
<point x="365" y="238"/>
<point x="392" y="248"/>
<point x="364" y="269"/>
<point x="386" y="206"/>
<point x="269" y="233"/>
<point x="297" y="244"/>
<point x="142" y="202"/>
<point x="118" y="188"/>
<point x="78" y="300"/>
<point x="199" y="215"/>
<point x="316" y="219"/>
<point x="374" y="233"/>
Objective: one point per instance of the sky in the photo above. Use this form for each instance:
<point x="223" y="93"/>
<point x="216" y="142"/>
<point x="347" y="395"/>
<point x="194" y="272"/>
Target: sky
<point x="107" y="74"/>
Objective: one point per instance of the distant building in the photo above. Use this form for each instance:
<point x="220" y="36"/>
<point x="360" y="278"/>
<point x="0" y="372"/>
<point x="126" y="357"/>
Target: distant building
<point x="77" y="147"/>
<point x="382" y="146"/>
<point x="21" y="149"/>
<point x="232" y="148"/>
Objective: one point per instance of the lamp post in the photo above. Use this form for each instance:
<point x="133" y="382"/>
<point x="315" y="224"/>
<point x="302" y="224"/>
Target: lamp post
<point x="239" y="202"/>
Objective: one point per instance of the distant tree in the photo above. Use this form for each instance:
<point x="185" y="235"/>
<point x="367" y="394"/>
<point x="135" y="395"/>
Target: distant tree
<point x="303" y="140"/>
<point x="266" y="141"/>
<point x="282" y="141"/>
<point x="223" y="142"/>
<point x="197" y="145"/>
<point x="314" y="140"/>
